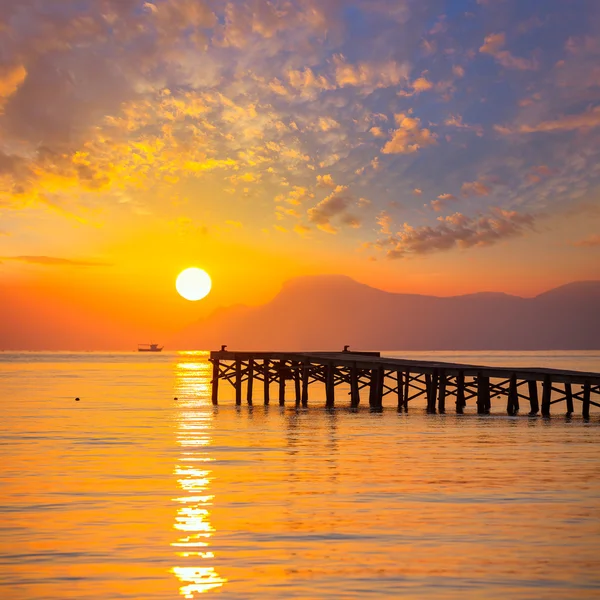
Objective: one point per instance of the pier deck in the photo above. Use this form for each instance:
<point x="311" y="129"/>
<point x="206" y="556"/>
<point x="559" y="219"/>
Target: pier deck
<point x="406" y="380"/>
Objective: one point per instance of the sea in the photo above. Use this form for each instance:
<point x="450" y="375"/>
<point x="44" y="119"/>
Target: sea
<point x="143" y="490"/>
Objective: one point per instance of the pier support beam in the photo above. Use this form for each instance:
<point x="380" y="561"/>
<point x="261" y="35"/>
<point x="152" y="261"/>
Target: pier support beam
<point x="215" y="382"/>
<point x="512" y="407"/>
<point x="406" y="389"/>
<point x="442" y="393"/>
<point x="460" y="393"/>
<point x="250" y="384"/>
<point x="376" y="388"/>
<point x="533" y="398"/>
<point x="585" y="413"/>
<point x="281" y="373"/>
<point x="483" y="395"/>
<point x="569" y="399"/>
<point x="546" y="396"/>
<point x="329" y="386"/>
<point x="354" y="391"/>
<point x="238" y="382"/>
<point x="400" y="390"/>
<point x="267" y="381"/>
<point x="305" y="382"/>
<point x="297" y="391"/>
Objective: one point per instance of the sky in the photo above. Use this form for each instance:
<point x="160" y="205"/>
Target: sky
<point x="417" y="146"/>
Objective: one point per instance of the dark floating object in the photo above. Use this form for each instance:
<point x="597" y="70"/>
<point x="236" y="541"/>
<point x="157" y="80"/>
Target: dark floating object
<point x="76" y="399"/>
<point x="149" y="348"/>
<point x="175" y="398"/>
<point x="406" y="379"/>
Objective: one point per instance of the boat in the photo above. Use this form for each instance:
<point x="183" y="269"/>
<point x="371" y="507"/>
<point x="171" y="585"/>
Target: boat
<point x="149" y="348"/>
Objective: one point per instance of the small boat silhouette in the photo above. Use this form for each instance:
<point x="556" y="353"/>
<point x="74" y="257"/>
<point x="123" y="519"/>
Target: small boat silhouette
<point x="149" y="348"/>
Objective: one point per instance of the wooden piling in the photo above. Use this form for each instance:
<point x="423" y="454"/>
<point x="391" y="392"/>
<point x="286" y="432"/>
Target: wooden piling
<point x="546" y="396"/>
<point x="297" y="391"/>
<point x="354" y="390"/>
<point x="267" y="381"/>
<point x="460" y="393"/>
<point x="305" y="383"/>
<point x="281" y="375"/>
<point x="512" y="407"/>
<point x="483" y="394"/>
<point x="442" y="393"/>
<point x="215" y="382"/>
<point x="329" y="386"/>
<point x="238" y="382"/>
<point x="533" y="398"/>
<point x="431" y="391"/>
<point x="250" y="383"/>
<point x="406" y="389"/>
<point x="585" y="412"/>
<point x="569" y="399"/>
<point x="400" y="390"/>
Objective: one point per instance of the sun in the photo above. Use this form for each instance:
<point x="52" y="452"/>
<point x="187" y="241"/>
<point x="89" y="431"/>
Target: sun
<point x="193" y="284"/>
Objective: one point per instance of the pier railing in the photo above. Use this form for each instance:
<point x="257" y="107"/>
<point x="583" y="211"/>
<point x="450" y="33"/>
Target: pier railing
<point x="438" y="383"/>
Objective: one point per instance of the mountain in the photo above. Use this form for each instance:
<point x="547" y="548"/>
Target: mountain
<point x="326" y="312"/>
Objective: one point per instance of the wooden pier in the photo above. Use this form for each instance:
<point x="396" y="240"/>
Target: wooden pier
<point x="438" y="383"/>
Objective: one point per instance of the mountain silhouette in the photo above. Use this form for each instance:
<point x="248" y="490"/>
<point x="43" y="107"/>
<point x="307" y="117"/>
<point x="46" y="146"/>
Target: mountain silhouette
<point x="328" y="311"/>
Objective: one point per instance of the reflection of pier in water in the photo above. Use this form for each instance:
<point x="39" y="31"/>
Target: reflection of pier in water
<point x="406" y="380"/>
<point x="193" y="478"/>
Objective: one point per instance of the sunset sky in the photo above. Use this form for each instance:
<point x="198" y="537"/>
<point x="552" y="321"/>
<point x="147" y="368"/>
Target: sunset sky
<point x="417" y="146"/>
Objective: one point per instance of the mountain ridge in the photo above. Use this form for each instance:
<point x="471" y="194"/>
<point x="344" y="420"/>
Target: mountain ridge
<point x="329" y="311"/>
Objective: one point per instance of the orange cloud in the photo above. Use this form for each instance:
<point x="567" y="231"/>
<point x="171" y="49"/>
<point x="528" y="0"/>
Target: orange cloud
<point x="333" y="206"/>
<point x="492" y="45"/>
<point x="591" y="241"/>
<point x="409" y="137"/>
<point x="586" y="120"/>
<point x="53" y="261"/>
<point x="475" y="188"/>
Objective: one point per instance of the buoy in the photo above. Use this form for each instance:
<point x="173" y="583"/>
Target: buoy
<point x="174" y="398"/>
<point x="76" y="399"/>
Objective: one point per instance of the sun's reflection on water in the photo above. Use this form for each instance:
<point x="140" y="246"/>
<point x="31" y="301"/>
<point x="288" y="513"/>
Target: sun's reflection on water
<point x="194" y="478"/>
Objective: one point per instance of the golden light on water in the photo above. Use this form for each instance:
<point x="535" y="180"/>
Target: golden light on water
<point x="192" y="520"/>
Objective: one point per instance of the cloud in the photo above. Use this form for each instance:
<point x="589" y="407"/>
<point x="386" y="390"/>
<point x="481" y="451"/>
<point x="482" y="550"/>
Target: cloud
<point x="409" y="137"/>
<point x="492" y="45"/>
<point x="592" y="241"/>
<point x="587" y="120"/>
<point x="325" y="181"/>
<point x="422" y="84"/>
<point x="334" y="206"/>
<point x="54" y="261"/>
<point x="442" y="201"/>
<point x="417" y="192"/>
<point x="457" y="231"/>
<point x="475" y="188"/>
<point x="456" y="121"/>
<point x="384" y="220"/>
<point x="369" y="75"/>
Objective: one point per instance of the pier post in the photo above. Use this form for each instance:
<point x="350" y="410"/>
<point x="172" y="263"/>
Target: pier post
<point x="250" y="381"/>
<point x="585" y="413"/>
<point x="297" y="366"/>
<point x="267" y="381"/>
<point x="546" y="396"/>
<point x="400" y="384"/>
<point x="533" y="398"/>
<point x="376" y="388"/>
<point x="215" y="382"/>
<point x="483" y="395"/>
<point x="460" y="393"/>
<point x="569" y="399"/>
<point x="512" y="407"/>
<point x="329" y="386"/>
<point x="380" y="387"/>
<point x="432" y="386"/>
<point x="238" y="381"/>
<point x="354" y="391"/>
<point x="442" y="393"/>
<point x="406" y="389"/>
<point x="281" y="374"/>
<point x="305" y="382"/>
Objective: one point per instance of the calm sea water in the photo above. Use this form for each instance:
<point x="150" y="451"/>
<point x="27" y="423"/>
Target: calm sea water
<point x="131" y="493"/>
